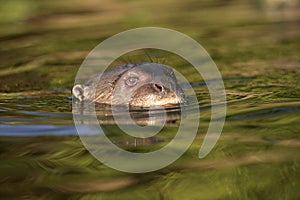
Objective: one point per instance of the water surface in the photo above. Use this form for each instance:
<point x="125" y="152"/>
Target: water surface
<point x="256" y="48"/>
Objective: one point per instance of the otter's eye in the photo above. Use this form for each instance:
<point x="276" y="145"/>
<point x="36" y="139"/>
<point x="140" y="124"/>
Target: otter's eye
<point x="131" y="81"/>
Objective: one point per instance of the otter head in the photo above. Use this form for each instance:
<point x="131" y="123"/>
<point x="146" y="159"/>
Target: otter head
<point x="143" y="85"/>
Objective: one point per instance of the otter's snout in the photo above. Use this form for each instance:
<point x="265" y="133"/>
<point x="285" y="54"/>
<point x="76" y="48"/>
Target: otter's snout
<point x="156" y="94"/>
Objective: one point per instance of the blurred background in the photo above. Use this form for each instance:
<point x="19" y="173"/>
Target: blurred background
<point x="255" y="44"/>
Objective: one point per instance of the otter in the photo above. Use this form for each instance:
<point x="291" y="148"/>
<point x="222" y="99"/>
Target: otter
<point x="142" y="85"/>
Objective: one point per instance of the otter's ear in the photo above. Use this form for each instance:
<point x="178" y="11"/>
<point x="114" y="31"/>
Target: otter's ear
<point x="78" y="92"/>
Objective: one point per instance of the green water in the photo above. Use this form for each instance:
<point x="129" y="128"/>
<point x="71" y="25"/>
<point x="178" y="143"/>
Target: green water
<point x="255" y="45"/>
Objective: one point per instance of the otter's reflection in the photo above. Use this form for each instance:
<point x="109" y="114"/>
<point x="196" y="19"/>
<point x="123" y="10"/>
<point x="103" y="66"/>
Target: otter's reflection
<point x="167" y="116"/>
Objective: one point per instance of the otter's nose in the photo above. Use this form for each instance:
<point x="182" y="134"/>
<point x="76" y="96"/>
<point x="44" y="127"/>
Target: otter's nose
<point x="158" y="88"/>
